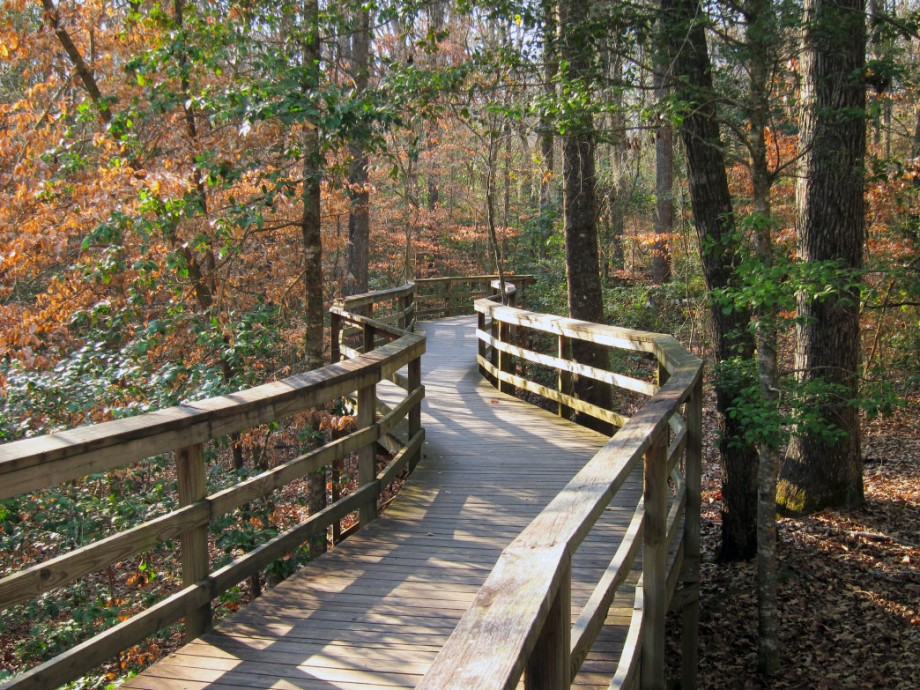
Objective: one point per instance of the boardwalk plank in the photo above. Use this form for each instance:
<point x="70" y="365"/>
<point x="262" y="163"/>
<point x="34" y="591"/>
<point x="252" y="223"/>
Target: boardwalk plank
<point x="374" y="611"/>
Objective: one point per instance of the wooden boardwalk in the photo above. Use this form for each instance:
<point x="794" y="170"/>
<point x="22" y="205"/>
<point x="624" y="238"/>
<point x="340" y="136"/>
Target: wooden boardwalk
<point x="373" y="612"/>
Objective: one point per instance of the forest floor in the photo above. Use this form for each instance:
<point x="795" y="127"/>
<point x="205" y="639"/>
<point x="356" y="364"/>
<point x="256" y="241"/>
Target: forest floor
<point x="849" y="593"/>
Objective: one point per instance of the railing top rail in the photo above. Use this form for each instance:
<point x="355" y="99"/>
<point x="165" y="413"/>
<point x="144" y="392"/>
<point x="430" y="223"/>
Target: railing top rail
<point x="99" y="447"/>
<point x="365" y="298"/>
<point x="522" y="279"/>
<point x="360" y="319"/>
<point x="669" y="351"/>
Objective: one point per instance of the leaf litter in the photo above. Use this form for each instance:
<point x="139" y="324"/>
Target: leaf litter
<point x="849" y="590"/>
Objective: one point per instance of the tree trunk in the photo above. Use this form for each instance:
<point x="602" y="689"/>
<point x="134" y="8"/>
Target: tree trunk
<point x="664" y="188"/>
<point x="546" y="126"/>
<point x="761" y="42"/>
<point x="585" y="298"/>
<point x="819" y="473"/>
<point x="358" y="215"/>
<point x="715" y="226"/>
<point x="915" y="143"/>
<point x="310" y="222"/>
<point x="310" y="225"/>
<point x="493" y="144"/>
<point x="204" y="282"/>
<point x="622" y="184"/>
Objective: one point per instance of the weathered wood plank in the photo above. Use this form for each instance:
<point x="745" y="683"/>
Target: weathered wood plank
<point x="105" y="645"/>
<point x="56" y="572"/>
<point x="190" y="472"/>
<point x="567" y="365"/>
<point x="399" y="587"/>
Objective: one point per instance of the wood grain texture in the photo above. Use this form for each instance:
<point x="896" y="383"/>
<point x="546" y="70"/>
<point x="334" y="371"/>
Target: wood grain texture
<point x="375" y="610"/>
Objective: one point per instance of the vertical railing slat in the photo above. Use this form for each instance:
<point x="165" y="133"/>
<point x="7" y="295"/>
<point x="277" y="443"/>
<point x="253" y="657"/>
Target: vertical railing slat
<point x="654" y="574"/>
<point x="564" y="378"/>
<point x="190" y="471"/>
<point x="335" y="335"/>
<point x="691" y="575"/>
<point x="415" y="414"/>
<point x="504" y="359"/>
<point x="548" y="666"/>
<point x="493" y="355"/>
<point x="367" y="454"/>
<point x="481" y="325"/>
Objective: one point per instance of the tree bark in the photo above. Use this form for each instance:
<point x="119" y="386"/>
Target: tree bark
<point x="761" y="42"/>
<point x="546" y="127"/>
<point x="585" y="297"/>
<point x="915" y="143"/>
<point x="310" y="222"/>
<point x="311" y="230"/>
<point x="830" y="202"/>
<point x="716" y="232"/>
<point x="491" y="162"/>
<point x="358" y="216"/>
<point x="664" y="190"/>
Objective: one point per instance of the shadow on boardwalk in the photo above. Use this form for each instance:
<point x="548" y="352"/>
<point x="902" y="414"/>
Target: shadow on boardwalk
<point x="373" y="612"/>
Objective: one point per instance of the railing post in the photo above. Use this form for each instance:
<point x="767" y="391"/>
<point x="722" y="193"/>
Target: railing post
<point x="663" y="374"/>
<point x="369" y="334"/>
<point x="504" y="358"/>
<point x="407" y="307"/>
<point x="415" y="414"/>
<point x="367" y="455"/>
<point x="691" y="575"/>
<point x="448" y="307"/>
<point x="481" y="325"/>
<point x="335" y="334"/>
<point x="193" y="488"/>
<point x="564" y="378"/>
<point x="336" y="476"/>
<point x="493" y="355"/>
<point x="548" y="666"/>
<point x="654" y="554"/>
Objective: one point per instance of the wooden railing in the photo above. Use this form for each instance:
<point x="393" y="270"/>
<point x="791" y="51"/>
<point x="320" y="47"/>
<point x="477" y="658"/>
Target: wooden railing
<point x="450" y="296"/>
<point x="185" y="430"/>
<point x="520" y="621"/>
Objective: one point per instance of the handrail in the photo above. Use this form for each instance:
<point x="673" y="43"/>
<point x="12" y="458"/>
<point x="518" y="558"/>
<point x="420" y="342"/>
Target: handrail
<point x="520" y="621"/>
<point x="451" y="295"/>
<point x="42" y="462"/>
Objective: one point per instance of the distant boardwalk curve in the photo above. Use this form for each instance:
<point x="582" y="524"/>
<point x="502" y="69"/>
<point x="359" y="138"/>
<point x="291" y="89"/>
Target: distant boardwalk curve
<point x="374" y="611"/>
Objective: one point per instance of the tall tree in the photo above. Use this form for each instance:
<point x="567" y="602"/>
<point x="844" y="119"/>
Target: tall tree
<point x="585" y="297"/>
<point x="311" y="226"/>
<point x="760" y="50"/>
<point x="310" y="222"/>
<point x="683" y="22"/>
<point x="664" y="179"/>
<point x="822" y="471"/>
<point x="358" y="216"/>
<point x="548" y="12"/>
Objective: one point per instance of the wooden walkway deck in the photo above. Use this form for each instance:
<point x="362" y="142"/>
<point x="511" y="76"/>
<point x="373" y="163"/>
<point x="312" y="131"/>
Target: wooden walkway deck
<point x="373" y="612"/>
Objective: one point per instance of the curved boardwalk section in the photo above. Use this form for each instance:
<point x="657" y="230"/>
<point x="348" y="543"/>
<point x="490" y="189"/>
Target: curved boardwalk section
<point x="375" y="611"/>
